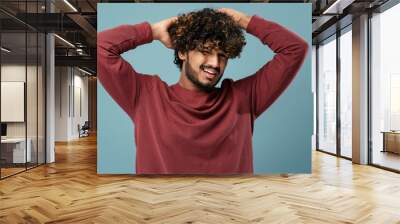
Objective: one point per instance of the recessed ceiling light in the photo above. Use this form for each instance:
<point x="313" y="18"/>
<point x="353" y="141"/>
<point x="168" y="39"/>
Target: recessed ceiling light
<point x="338" y="6"/>
<point x="84" y="71"/>
<point x="70" y="5"/>
<point x="5" y="50"/>
<point x="64" y="40"/>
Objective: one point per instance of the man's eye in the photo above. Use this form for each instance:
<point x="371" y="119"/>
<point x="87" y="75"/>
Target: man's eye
<point x="224" y="56"/>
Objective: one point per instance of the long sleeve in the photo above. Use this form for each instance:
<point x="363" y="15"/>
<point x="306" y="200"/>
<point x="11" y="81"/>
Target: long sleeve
<point x="116" y="75"/>
<point x="268" y="83"/>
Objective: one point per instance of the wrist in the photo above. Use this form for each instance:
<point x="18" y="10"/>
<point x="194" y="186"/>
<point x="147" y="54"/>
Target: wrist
<point x="244" y="21"/>
<point x="155" y="31"/>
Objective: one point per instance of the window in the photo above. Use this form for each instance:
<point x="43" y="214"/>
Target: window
<point x="385" y="89"/>
<point x="346" y="92"/>
<point x="327" y="95"/>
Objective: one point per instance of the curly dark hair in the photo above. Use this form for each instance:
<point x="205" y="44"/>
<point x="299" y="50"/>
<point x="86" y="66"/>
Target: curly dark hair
<point x="206" y="29"/>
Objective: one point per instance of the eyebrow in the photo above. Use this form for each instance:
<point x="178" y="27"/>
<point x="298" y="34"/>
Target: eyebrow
<point x="223" y="54"/>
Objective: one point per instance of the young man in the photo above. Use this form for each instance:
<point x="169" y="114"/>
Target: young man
<point x="192" y="127"/>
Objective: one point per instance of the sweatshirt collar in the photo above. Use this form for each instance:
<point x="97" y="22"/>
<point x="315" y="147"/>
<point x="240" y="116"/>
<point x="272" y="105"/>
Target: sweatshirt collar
<point x="182" y="91"/>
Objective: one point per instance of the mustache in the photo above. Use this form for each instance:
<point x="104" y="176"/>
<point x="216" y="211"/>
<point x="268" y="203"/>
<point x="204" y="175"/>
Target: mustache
<point x="217" y="69"/>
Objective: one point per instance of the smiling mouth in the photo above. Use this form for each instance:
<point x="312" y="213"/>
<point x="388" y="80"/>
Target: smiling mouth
<point x="210" y="73"/>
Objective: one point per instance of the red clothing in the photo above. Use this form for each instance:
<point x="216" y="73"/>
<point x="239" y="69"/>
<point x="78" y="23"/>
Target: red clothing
<point x="193" y="132"/>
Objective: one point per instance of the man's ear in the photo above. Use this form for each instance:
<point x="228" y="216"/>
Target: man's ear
<point x="182" y="55"/>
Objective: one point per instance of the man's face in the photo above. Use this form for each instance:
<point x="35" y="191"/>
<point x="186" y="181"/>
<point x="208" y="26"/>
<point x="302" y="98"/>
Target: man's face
<point x="204" y="68"/>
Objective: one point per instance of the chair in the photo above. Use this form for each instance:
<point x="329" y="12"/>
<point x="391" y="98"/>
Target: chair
<point x="84" y="130"/>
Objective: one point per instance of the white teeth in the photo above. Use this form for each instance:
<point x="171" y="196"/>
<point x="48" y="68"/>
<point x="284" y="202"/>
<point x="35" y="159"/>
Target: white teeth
<point x="209" y="71"/>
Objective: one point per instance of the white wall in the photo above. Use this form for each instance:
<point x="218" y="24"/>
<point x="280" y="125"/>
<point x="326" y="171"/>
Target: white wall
<point x="80" y="102"/>
<point x="61" y="103"/>
<point x="71" y="93"/>
<point x="16" y="72"/>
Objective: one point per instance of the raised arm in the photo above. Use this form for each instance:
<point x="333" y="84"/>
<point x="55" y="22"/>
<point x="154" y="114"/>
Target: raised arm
<point x="268" y="83"/>
<point x="116" y="75"/>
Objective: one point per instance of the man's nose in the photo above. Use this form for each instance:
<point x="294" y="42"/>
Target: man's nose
<point x="213" y="60"/>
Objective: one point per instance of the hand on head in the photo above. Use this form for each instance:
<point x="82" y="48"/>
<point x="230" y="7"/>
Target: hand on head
<point x="160" y="31"/>
<point x="239" y="17"/>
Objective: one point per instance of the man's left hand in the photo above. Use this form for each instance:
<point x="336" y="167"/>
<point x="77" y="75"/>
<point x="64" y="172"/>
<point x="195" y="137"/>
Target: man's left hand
<point x="239" y="17"/>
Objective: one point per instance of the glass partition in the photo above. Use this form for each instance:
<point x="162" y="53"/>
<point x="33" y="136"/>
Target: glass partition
<point x="13" y="105"/>
<point x="31" y="100"/>
<point x="346" y="92"/>
<point x="22" y="77"/>
<point x="41" y="107"/>
<point x="32" y="85"/>
<point x="327" y="95"/>
<point x="385" y="89"/>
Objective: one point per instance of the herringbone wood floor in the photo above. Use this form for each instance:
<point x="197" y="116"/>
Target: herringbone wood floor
<point x="70" y="191"/>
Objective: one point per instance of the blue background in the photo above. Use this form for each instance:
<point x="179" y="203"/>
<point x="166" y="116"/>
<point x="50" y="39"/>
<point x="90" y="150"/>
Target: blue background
<point x="282" y="134"/>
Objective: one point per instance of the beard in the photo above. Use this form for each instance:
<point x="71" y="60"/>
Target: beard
<point x="189" y="72"/>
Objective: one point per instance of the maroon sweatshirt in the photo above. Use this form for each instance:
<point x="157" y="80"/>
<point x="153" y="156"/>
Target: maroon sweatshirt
<point x="193" y="132"/>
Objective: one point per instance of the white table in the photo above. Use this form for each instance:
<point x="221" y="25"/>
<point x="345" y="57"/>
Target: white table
<point x="18" y="149"/>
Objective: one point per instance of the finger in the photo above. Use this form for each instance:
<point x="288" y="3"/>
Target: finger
<point x="223" y="10"/>
<point x="173" y="19"/>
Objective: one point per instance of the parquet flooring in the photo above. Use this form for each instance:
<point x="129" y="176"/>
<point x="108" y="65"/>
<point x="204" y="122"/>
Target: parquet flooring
<point x="10" y="171"/>
<point x="70" y="191"/>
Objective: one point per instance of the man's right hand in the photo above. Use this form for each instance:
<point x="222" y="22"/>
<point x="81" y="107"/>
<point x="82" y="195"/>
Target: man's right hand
<point x="160" y="31"/>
